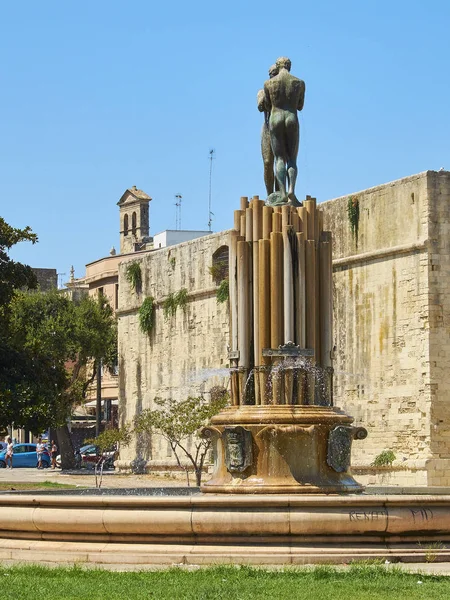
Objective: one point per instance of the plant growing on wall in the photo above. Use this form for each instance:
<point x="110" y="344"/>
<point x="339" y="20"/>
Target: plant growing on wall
<point x="133" y="275"/>
<point x="223" y="291"/>
<point x="174" y="301"/>
<point x="218" y="270"/>
<point x="147" y="315"/>
<point x="178" y="421"/>
<point x="353" y="215"/>
<point x="384" y="459"/>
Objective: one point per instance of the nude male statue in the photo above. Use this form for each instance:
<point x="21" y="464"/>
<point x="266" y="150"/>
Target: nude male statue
<point x="284" y="95"/>
<point x="266" y="148"/>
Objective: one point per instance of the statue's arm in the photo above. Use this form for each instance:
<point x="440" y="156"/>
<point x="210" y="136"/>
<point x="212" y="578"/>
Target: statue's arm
<point x="301" y="99"/>
<point x="261" y="101"/>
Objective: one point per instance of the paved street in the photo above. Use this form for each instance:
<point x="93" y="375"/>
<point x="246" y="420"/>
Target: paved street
<point x="86" y="478"/>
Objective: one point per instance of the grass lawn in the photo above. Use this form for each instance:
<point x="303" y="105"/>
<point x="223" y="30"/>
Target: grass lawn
<point x="228" y="583"/>
<point x="7" y="486"/>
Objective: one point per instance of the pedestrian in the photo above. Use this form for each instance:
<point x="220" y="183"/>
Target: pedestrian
<point x="40" y="447"/>
<point x="9" y="453"/>
<point x="54" y="454"/>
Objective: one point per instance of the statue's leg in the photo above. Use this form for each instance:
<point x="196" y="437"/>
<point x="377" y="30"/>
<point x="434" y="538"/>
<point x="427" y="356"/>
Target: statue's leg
<point x="267" y="154"/>
<point x="278" y="142"/>
<point x="292" y="137"/>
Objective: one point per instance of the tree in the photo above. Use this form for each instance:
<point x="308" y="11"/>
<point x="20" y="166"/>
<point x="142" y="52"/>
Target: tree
<point x="65" y="341"/>
<point x="13" y="275"/>
<point x="16" y="365"/>
<point x="178" y="422"/>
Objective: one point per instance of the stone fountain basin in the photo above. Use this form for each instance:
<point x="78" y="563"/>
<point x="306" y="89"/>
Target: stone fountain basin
<point x="98" y="527"/>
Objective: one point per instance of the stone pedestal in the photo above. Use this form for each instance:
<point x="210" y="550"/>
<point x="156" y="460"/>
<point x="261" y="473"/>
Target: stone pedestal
<point x="282" y="449"/>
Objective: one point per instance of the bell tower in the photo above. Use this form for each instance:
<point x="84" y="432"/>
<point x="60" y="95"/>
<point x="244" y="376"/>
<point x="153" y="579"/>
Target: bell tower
<point x="134" y="220"/>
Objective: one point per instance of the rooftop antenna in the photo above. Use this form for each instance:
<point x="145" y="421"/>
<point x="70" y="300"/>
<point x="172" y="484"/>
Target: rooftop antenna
<point x="178" y="198"/>
<point x="211" y="158"/>
<point x="60" y="280"/>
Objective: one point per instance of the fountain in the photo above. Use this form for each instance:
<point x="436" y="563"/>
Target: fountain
<point x="282" y="490"/>
<point x="282" y="433"/>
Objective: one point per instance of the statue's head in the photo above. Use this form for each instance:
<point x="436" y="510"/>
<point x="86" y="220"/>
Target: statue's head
<point x="273" y="70"/>
<point x="283" y="63"/>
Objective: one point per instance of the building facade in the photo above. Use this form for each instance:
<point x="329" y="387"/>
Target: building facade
<point x="391" y="328"/>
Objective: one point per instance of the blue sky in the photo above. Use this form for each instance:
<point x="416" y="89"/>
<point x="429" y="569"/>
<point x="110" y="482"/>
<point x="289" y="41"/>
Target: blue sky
<point x="99" y="96"/>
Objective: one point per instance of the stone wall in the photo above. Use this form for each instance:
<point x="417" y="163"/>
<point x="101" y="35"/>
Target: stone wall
<point x="439" y="326"/>
<point x="185" y="353"/>
<point x="391" y="328"/>
<point x="388" y="310"/>
<point x="47" y="279"/>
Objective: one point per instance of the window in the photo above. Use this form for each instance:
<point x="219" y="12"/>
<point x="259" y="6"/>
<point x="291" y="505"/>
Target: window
<point x="100" y="292"/>
<point x="116" y="296"/>
<point x="219" y="268"/>
<point x="133" y="223"/>
<point x="125" y="225"/>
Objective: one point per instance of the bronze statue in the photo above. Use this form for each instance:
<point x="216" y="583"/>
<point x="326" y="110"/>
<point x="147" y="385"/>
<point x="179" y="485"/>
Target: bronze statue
<point x="266" y="148"/>
<point x="284" y="95"/>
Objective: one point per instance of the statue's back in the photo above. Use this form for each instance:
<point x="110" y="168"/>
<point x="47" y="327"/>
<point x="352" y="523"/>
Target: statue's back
<point x="285" y="91"/>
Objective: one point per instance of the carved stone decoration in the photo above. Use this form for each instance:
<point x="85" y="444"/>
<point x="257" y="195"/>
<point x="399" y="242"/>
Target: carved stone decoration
<point x="339" y="448"/>
<point x="238" y="448"/>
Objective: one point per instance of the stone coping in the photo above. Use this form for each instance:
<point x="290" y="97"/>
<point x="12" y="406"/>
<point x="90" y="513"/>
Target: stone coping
<point x="227" y="519"/>
<point x="230" y="501"/>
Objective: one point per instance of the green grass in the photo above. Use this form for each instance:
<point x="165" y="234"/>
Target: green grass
<point x="42" y="485"/>
<point x="227" y="583"/>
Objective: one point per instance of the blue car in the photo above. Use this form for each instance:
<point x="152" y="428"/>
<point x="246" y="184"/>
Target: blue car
<point x="25" y="456"/>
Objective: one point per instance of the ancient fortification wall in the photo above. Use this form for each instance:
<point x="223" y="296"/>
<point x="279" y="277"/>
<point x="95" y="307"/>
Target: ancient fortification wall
<point x="385" y="298"/>
<point x="184" y="353"/>
<point x="391" y="327"/>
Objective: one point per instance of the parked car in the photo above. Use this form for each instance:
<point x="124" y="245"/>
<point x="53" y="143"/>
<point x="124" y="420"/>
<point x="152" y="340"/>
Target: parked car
<point x="90" y="455"/>
<point x="25" y="456"/>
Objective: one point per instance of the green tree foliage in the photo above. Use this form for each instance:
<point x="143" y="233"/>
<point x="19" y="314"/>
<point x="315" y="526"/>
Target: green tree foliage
<point x="178" y="422"/>
<point x="109" y="438"/>
<point x="13" y="275"/>
<point x="16" y="365"/>
<point x="63" y="342"/>
<point x="71" y="337"/>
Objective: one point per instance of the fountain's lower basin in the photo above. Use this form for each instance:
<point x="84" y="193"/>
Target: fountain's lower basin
<point x="209" y="528"/>
<point x="282" y="449"/>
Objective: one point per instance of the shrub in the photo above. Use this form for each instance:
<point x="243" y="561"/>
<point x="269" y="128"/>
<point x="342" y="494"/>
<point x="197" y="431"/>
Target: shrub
<point x="147" y="315"/>
<point x="384" y="459"/>
<point x="133" y="275"/>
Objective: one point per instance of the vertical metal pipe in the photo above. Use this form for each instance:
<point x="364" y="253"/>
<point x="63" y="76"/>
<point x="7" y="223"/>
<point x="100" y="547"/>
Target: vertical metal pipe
<point x="288" y="288"/>
<point x="276" y="222"/>
<point x="326" y="310"/>
<point x="232" y="275"/>
<point x="257" y="234"/>
<point x="249" y="225"/>
<point x="310" y="207"/>
<point x="243" y="227"/>
<point x="311" y="316"/>
<point x="237" y="220"/>
<point x="267" y="221"/>
<point x="98" y="415"/>
<point x="264" y="315"/>
<point x="288" y="308"/>
<point x="276" y="304"/>
<point x="303" y="216"/>
<point x="285" y="216"/>
<point x="243" y="316"/>
<point x="295" y="219"/>
<point x="300" y="308"/>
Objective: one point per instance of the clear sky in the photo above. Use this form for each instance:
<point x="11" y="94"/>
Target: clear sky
<point x="97" y="96"/>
